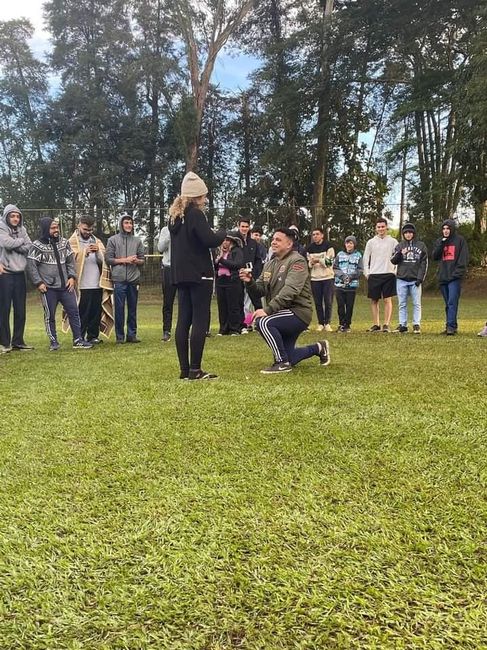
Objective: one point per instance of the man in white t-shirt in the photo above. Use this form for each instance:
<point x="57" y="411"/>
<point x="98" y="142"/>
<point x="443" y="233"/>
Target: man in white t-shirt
<point x="89" y="255"/>
<point x="380" y="274"/>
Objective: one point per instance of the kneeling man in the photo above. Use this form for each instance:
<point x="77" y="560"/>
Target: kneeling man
<point x="286" y="287"/>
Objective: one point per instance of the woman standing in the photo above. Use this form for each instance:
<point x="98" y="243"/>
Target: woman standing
<point x="192" y="272"/>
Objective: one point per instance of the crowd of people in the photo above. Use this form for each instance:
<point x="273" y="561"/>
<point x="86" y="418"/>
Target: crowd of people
<point x="272" y="291"/>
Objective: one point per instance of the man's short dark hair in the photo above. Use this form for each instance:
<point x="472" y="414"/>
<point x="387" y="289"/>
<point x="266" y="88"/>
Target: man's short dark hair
<point x="87" y="220"/>
<point x="257" y="229"/>
<point x="289" y="232"/>
<point x="318" y="229"/>
<point x="243" y="220"/>
<point x="382" y="220"/>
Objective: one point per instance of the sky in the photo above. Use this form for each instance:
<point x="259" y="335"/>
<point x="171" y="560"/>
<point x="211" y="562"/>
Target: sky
<point x="231" y="73"/>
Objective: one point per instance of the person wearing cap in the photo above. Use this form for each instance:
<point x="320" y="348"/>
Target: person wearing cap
<point x="348" y="267"/>
<point x="15" y="244"/>
<point x="125" y="255"/>
<point x="380" y="274"/>
<point x="285" y="284"/>
<point x="50" y="265"/>
<point x="227" y="265"/>
<point x="192" y="272"/>
<point x="451" y="253"/>
<point x="411" y="259"/>
<point x="320" y="255"/>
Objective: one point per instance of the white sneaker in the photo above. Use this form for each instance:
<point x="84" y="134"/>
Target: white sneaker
<point x="4" y="349"/>
<point x="483" y="332"/>
<point x="328" y="328"/>
<point x="319" y="328"/>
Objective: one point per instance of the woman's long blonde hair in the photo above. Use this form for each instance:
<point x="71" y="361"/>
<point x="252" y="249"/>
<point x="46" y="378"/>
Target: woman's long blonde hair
<point x="180" y="204"/>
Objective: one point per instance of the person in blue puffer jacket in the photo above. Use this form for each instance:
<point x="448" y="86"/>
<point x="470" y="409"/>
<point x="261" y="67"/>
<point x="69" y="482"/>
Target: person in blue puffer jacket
<point x="348" y="267"/>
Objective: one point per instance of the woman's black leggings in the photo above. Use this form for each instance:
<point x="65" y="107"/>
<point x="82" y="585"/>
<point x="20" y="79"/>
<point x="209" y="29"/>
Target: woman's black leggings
<point x="193" y="313"/>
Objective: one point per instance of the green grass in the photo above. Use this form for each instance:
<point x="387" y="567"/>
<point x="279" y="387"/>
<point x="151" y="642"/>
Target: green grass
<point x="339" y="507"/>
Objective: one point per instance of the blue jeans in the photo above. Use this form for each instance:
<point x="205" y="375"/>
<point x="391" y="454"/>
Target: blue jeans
<point x="451" y="295"/>
<point x="406" y="289"/>
<point x="280" y="331"/>
<point x="125" y="291"/>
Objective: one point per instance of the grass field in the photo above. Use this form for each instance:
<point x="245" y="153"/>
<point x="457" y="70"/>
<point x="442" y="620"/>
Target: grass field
<point x="339" y="507"/>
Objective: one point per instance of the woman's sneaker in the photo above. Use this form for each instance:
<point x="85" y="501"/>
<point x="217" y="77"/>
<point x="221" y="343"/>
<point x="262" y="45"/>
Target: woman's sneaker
<point x="200" y="374"/>
<point x="483" y="332"/>
<point x="416" y="329"/>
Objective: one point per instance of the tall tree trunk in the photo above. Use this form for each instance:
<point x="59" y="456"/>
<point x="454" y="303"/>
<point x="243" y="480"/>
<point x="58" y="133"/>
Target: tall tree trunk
<point x="323" y="125"/>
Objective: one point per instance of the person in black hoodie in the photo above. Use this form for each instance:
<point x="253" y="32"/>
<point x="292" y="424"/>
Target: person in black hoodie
<point x="192" y="272"/>
<point x="451" y="251"/>
<point x="411" y="258"/>
<point x="227" y="265"/>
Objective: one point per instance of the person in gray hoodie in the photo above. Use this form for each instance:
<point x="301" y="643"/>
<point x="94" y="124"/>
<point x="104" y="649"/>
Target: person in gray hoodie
<point x="14" y="247"/>
<point x="124" y="255"/>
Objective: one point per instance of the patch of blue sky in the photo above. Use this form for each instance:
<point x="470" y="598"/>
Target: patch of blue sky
<point x="232" y="71"/>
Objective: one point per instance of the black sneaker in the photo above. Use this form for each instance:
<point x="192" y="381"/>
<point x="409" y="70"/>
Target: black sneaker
<point x="279" y="366"/>
<point x="374" y="328"/>
<point x="324" y="353"/>
<point x="54" y="346"/>
<point x="166" y="337"/>
<point x="22" y="346"/>
<point x="450" y="331"/>
<point x="200" y="374"/>
<point x="81" y="344"/>
<point x="400" y="329"/>
<point x="416" y="329"/>
<point x="132" y="339"/>
<point x="95" y="341"/>
<point x="386" y="329"/>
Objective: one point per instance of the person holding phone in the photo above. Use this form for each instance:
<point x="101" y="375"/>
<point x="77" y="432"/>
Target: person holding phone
<point x="94" y="286"/>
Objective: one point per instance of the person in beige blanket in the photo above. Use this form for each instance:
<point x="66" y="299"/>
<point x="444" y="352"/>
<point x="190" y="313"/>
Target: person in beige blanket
<point x="94" y="286"/>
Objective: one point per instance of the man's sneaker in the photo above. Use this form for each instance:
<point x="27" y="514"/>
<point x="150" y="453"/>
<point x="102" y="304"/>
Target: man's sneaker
<point x="319" y="328"/>
<point x="244" y="330"/>
<point x="4" y="349"/>
<point x="166" y="336"/>
<point x="416" y="329"/>
<point x="324" y="353"/>
<point x="22" y="346"/>
<point x="328" y="328"/>
<point x="132" y="339"/>
<point x="200" y="374"/>
<point x="95" y="341"/>
<point x="450" y="331"/>
<point x="81" y="344"/>
<point x="483" y="332"/>
<point x="386" y="329"/>
<point x="279" y="366"/>
<point x="54" y="346"/>
<point x="374" y="328"/>
<point x="400" y="329"/>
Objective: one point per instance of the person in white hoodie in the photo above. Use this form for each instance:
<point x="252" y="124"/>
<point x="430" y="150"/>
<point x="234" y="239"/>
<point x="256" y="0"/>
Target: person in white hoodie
<point x="14" y="248"/>
<point x="380" y="274"/>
